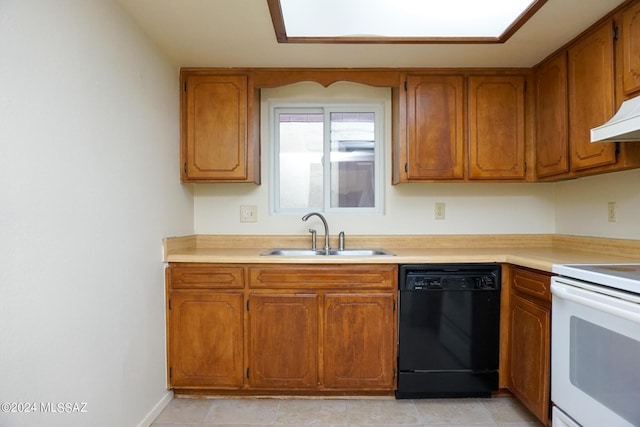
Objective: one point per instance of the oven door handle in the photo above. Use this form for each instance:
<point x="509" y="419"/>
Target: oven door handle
<point x="615" y="306"/>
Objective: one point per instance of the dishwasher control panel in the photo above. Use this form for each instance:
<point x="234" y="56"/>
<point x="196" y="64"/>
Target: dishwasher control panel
<point x="450" y="277"/>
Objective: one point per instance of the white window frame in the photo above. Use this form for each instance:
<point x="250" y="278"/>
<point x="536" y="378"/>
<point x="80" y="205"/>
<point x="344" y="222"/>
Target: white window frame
<point x="376" y="106"/>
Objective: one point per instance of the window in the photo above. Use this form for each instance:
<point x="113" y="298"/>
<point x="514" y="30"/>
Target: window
<point x="305" y="135"/>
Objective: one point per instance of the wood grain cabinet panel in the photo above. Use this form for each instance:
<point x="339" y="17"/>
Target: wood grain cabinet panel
<point x="530" y="355"/>
<point x="435" y="127"/>
<point x="497" y="127"/>
<point x="283" y="341"/>
<point x="207" y="276"/>
<point x="630" y="33"/>
<point x="294" y="329"/>
<point x="323" y="277"/>
<point x="359" y="341"/>
<point x="206" y="339"/>
<point x="530" y="340"/>
<point x="533" y="283"/>
<point x="552" y="129"/>
<point x="591" y="97"/>
<point x="215" y="129"/>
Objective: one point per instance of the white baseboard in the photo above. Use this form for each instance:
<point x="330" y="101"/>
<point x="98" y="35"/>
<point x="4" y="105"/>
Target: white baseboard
<point x="153" y="414"/>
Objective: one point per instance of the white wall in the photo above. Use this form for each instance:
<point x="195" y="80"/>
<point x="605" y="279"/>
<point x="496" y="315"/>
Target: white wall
<point x="89" y="185"/>
<point x="470" y="209"/>
<point x="477" y="208"/>
<point x="581" y="205"/>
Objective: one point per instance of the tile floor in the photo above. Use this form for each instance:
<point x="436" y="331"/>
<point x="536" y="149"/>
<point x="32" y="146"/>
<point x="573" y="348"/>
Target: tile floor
<point x="387" y="412"/>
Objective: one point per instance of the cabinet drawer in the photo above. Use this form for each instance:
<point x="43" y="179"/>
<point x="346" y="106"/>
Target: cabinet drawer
<point x="206" y="276"/>
<point x="532" y="283"/>
<point x="327" y="277"/>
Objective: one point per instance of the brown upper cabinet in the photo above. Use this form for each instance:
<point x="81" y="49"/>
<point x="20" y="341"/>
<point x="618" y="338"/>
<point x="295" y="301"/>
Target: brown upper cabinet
<point x="217" y="129"/>
<point x="575" y="92"/>
<point x="435" y="128"/>
<point x="454" y="125"/>
<point x="446" y="140"/>
<point x="591" y="97"/>
<point x="552" y="133"/>
<point x="630" y="34"/>
<point x="497" y="127"/>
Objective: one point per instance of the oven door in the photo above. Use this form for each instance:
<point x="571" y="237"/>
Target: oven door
<point x="595" y="356"/>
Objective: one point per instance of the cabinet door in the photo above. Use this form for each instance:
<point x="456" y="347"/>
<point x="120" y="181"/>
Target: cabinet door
<point x="530" y="346"/>
<point x="552" y="131"/>
<point x="206" y="339"/>
<point x="435" y="125"/>
<point x="359" y="341"/>
<point x="496" y="127"/>
<point x="591" y="97"/>
<point x="631" y="48"/>
<point x="215" y="145"/>
<point x="283" y="340"/>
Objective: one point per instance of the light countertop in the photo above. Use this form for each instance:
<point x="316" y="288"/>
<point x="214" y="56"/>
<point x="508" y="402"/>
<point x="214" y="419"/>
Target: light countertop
<point x="534" y="251"/>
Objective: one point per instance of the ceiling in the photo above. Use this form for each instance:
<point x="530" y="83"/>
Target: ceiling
<point x="239" y="33"/>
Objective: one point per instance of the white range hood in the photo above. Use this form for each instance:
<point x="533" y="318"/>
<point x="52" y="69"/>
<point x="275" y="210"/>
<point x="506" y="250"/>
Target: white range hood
<point x="623" y="126"/>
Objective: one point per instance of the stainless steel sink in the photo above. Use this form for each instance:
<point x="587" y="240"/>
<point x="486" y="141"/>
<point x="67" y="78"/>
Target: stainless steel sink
<point x="332" y="252"/>
<point x="293" y="252"/>
<point x="360" y="252"/>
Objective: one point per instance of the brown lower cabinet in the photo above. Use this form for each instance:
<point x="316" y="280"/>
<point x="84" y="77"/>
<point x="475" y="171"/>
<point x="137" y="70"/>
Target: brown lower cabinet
<point x="530" y="340"/>
<point x="309" y="329"/>
<point x="282" y="328"/>
<point x="358" y="343"/>
<point x="284" y="340"/>
<point x="206" y="339"/>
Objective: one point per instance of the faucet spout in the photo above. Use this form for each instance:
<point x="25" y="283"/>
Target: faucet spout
<point x="326" y="228"/>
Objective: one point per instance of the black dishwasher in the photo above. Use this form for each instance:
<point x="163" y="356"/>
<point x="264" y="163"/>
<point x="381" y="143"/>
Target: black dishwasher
<point x="448" y="330"/>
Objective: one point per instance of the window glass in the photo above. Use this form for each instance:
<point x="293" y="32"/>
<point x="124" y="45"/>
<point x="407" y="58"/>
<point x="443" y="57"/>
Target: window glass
<point x="348" y="136"/>
<point x="352" y="160"/>
<point x="299" y="160"/>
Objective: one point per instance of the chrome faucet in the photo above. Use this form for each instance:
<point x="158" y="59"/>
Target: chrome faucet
<point x="313" y="239"/>
<point x="326" y="228"/>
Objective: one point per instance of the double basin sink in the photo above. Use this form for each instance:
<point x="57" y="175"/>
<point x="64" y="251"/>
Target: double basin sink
<point x="330" y="252"/>
<point x="326" y="251"/>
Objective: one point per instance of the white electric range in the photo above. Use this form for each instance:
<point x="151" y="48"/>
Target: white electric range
<point x="595" y="349"/>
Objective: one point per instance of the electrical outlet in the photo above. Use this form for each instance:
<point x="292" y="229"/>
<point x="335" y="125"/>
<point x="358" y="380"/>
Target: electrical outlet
<point x="439" y="211"/>
<point x="248" y="213"/>
<point x="612" y="212"/>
